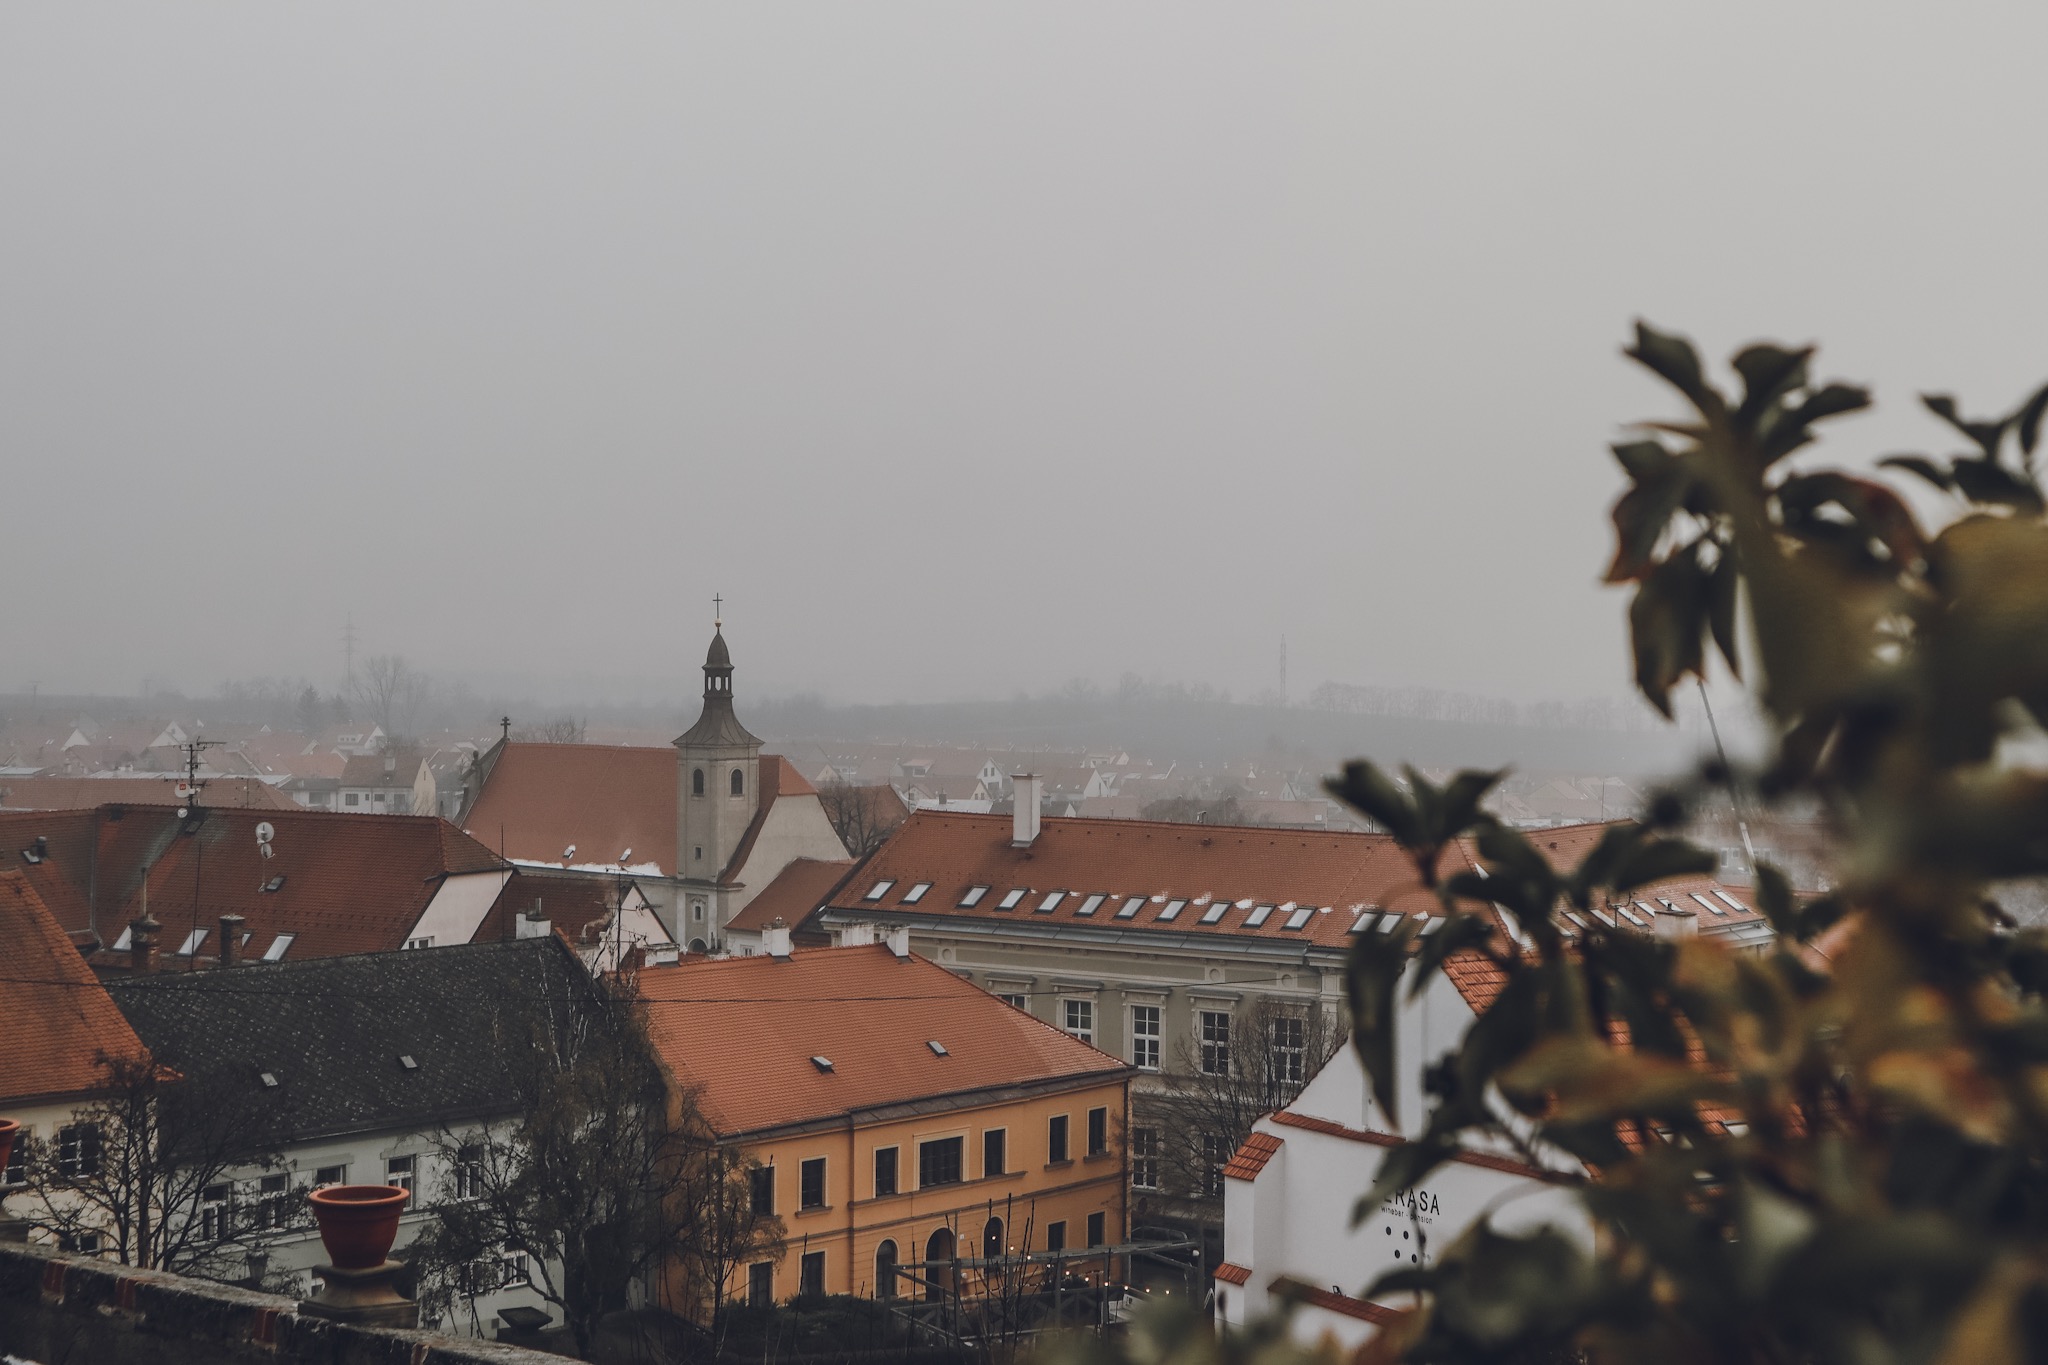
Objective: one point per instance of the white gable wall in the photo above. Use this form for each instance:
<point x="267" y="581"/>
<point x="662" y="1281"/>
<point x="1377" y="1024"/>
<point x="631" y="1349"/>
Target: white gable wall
<point x="794" y="827"/>
<point x="457" y="910"/>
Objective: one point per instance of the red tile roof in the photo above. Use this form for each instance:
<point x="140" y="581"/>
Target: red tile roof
<point x="1231" y="1273"/>
<point x="799" y="889"/>
<point x="83" y="793"/>
<point x="1252" y="1157"/>
<point x="744" y="1032"/>
<point x="779" y="778"/>
<point x="351" y="883"/>
<point x="1300" y="1291"/>
<point x="540" y="799"/>
<point x="1336" y="876"/>
<point x="1484" y="1160"/>
<point x="56" y="1020"/>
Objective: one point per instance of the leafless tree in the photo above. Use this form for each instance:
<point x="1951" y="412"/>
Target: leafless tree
<point x="389" y="692"/>
<point x="561" y="730"/>
<point x="1218" y="1088"/>
<point x="609" y="1178"/>
<point x="156" y="1173"/>
<point x="862" y="815"/>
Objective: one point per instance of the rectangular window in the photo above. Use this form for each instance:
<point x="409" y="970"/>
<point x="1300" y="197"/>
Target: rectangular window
<point x="992" y="1153"/>
<point x="1216" y="1150"/>
<point x="1215" y="911"/>
<point x="1145" y="1158"/>
<point x="1290" y="1049"/>
<point x="915" y="894"/>
<point x="1080" y="1018"/>
<point x="1019" y="1001"/>
<point x="811" y="1184"/>
<point x="1173" y="908"/>
<point x="1145" y="1037"/>
<point x="16" y="1171"/>
<point x="761" y="1284"/>
<point x="1010" y="899"/>
<point x="1091" y="905"/>
<point x="514" y="1271"/>
<point x="468" y="1173"/>
<point x="1098" y="1132"/>
<point x="279" y="946"/>
<point x="79" y="1243"/>
<point x="885" y="1171"/>
<point x="1051" y="902"/>
<point x="330" y="1175"/>
<point x="398" y="1171"/>
<point x="1214" y="1037"/>
<point x="349" y="799"/>
<point x="973" y="897"/>
<point x="213" y="1213"/>
<point x="1056" y="1138"/>
<point x="940" y="1162"/>
<point x="1259" y="915"/>
<point x="1129" y="909"/>
<point x="811" y="1279"/>
<point x="762" y="1182"/>
<point x="1300" y="918"/>
<point x="1098" y="1229"/>
<point x="878" y="890"/>
<point x="78" y="1151"/>
<point x="192" y="942"/>
<point x="273" y="1202"/>
<point x="1056" y="1236"/>
<point x="426" y="942"/>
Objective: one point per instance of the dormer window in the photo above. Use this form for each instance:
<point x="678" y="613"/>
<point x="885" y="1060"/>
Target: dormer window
<point x="697" y="782"/>
<point x="739" y="783"/>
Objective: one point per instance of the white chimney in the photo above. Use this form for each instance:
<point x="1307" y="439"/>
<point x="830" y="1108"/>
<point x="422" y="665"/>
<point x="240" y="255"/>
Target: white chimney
<point x="532" y="926"/>
<point x="899" y="940"/>
<point x="857" y="935"/>
<point x="1024" y="790"/>
<point x="1675" y="921"/>
<point x="775" y="938"/>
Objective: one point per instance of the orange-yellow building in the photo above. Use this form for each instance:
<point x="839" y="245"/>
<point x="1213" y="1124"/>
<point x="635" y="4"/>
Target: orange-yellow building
<point x="900" y="1114"/>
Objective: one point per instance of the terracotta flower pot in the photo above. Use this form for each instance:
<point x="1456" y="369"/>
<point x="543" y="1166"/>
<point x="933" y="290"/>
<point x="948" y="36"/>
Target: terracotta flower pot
<point x="8" y="1129"/>
<point x="358" y="1223"/>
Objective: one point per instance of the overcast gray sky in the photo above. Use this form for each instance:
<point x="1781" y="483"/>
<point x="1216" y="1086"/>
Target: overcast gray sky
<point x="964" y="348"/>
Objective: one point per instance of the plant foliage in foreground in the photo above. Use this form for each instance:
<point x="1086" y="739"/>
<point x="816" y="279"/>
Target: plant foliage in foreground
<point x="1875" y="1187"/>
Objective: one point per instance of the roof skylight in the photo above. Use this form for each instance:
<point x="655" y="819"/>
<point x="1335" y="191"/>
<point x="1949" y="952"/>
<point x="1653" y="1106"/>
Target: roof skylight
<point x="191" y="943"/>
<point x="405" y="1060"/>
<point x="824" y="1064"/>
<point x="1129" y="909"/>
<point x="1388" y="922"/>
<point x="1173" y="908"/>
<point x="879" y="890"/>
<point x="121" y="943"/>
<point x="269" y="1079"/>
<point x="1732" y="903"/>
<point x="938" y="1048"/>
<point x="1710" y="905"/>
<point x="1259" y="916"/>
<point x="1091" y="905"/>
<point x="915" y="893"/>
<point x="275" y="883"/>
<point x="1432" y="924"/>
<point x="278" y="947"/>
<point x="973" y="897"/>
<point x="1010" y="899"/>
<point x="1215" y="910"/>
<point x="1051" y="902"/>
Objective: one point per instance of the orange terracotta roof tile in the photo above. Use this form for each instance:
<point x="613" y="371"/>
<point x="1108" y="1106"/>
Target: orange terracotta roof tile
<point x="83" y="793"/>
<point x="1484" y="1160"/>
<point x="797" y="890"/>
<point x="541" y="799"/>
<point x="1232" y="1273"/>
<point x="1251" y="1158"/>
<point x="56" y="1020"/>
<point x="1300" y="1291"/>
<point x="745" y="1032"/>
<point x="343" y="883"/>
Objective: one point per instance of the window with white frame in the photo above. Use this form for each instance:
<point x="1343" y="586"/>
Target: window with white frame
<point x="1079" y="1018"/>
<point x="214" y="1216"/>
<point x="1289" y="1039"/>
<point x="78" y="1150"/>
<point x="273" y="1202"/>
<point x="1145" y="1158"/>
<point x="1213" y="1036"/>
<point x="1145" y="1037"/>
<point x="398" y="1170"/>
<point x="330" y="1175"/>
<point x="1022" y="1002"/>
<point x="1216" y="1153"/>
<point x="467" y="1171"/>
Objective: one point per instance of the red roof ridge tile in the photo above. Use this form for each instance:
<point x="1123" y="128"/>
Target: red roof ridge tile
<point x="1301" y="1291"/>
<point x="1252" y="1156"/>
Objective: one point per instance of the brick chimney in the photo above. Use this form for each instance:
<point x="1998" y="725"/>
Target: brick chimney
<point x="775" y="938"/>
<point x="1024" y="788"/>
<point x="1675" y="921"/>
<point x="142" y="932"/>
<point x="230" y="940"/>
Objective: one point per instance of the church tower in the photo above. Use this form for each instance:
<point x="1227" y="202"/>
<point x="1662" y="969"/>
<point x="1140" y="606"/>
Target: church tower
<point x="718" y="764"/>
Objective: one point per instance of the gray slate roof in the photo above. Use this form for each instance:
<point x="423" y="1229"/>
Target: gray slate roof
<point x="332" y="1031"/>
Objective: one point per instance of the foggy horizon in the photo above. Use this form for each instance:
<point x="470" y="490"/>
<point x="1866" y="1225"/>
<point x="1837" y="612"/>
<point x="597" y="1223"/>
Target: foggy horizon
<point x="963" y="352"/>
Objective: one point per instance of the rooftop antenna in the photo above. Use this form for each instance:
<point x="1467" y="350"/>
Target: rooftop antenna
<point x="190" y="785"/>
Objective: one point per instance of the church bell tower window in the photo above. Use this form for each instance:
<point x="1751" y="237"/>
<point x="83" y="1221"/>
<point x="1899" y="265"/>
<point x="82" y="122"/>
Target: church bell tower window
<point x="697" y="782"/>
<point x="739" y="783"/>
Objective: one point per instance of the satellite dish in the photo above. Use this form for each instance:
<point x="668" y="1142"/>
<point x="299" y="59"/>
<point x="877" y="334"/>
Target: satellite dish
<point x="183" y="791"/>
<point x="265" y="831"/>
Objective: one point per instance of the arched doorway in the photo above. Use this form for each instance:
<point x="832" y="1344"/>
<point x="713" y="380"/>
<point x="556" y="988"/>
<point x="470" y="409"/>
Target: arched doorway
<point x="885" y="1270"/>
<point x="991" y="1239"/>
<point x="938" y="1266"/>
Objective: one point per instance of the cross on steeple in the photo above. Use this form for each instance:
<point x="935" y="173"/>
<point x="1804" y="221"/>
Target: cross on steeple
<point x="717" y="612"/>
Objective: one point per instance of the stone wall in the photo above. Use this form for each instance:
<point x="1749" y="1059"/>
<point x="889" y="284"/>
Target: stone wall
<point x="67" y="1310"/>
